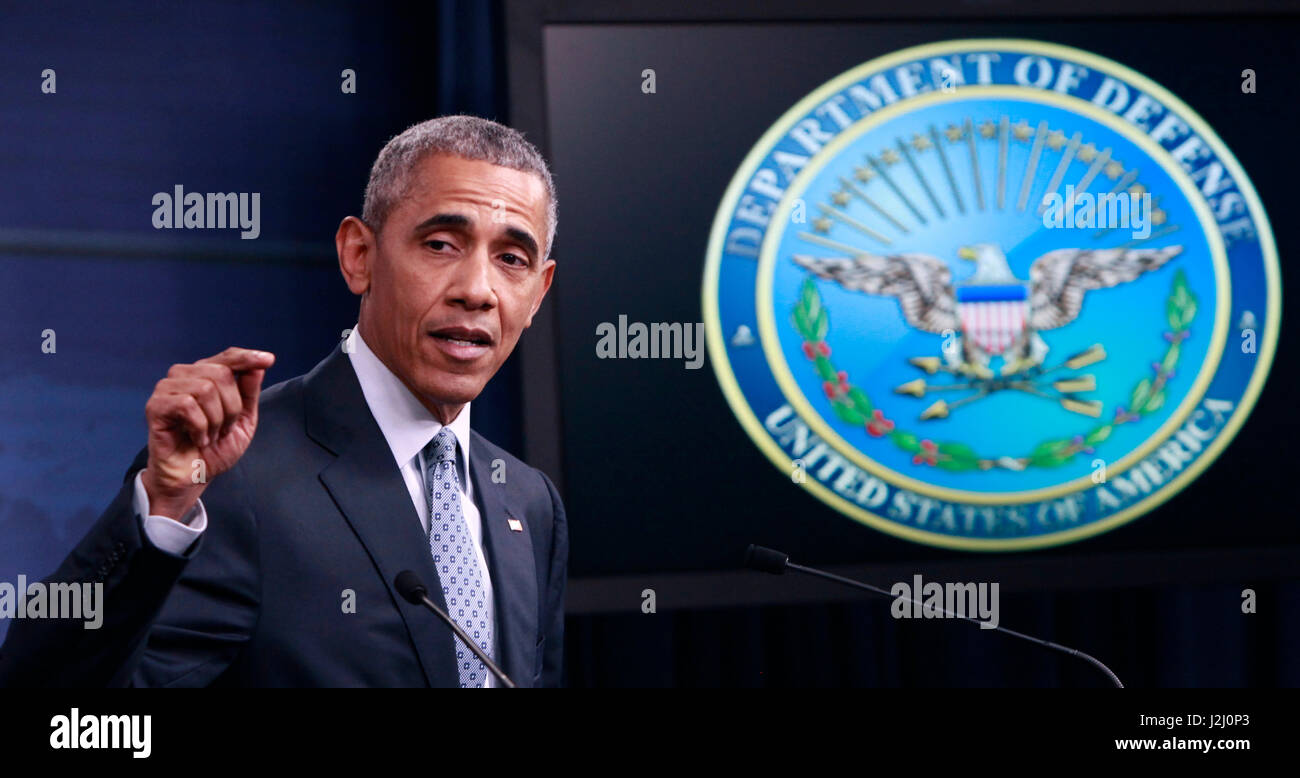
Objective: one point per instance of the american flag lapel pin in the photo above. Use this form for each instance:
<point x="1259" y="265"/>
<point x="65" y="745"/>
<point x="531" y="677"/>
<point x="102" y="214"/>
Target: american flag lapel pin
<point x="515" y="524"/>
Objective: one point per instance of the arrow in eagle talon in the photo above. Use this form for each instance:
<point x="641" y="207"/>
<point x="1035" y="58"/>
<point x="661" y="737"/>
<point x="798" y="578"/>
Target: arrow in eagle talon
<point x="932" y="365"/>
<point x="1089" y="356"/>
<point x="919" y="388"/>
<point x="1086" y="407"/>
<point x="941" y="409"/>
<point x="1083" y="383"/>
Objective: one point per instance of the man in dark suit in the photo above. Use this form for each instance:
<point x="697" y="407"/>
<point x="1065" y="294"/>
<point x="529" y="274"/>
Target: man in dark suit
<point x="257" y="537"/>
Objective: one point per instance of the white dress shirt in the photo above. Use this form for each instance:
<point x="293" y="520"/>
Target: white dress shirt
<point x="407" y="427"/>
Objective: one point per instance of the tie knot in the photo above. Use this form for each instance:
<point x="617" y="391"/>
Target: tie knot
<point x="443" y="446"/>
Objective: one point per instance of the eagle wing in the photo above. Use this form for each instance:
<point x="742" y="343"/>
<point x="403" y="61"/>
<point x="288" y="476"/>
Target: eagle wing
<point x="1059" y="279"/>
<point x="922" y="284"/>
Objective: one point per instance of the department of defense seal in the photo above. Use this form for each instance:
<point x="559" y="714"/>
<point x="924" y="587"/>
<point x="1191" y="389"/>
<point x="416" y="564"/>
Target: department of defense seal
<point x="991" y="294"/>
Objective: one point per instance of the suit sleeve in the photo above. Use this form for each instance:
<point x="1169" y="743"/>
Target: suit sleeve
<point x="553" y="610"/>
<point x="167" y="619"/>
<point x="135" y="578"/>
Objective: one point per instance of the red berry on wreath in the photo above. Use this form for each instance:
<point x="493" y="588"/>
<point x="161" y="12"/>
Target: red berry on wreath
<point x="879" y="425"/>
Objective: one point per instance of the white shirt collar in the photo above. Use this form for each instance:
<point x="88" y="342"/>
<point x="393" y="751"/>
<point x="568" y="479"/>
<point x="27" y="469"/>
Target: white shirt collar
<point x="407" y="425"/>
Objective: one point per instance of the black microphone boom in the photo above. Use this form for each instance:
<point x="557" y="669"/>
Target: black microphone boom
<point x="409" y="585"/>
<point x="768" y="560"/>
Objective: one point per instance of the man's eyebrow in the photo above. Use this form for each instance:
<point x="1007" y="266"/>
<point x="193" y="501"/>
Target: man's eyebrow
<point x="443" y="220"/>
<point x="523" y="238"/>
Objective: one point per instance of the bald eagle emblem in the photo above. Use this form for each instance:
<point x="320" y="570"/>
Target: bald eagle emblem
<point x="992" y="313"/>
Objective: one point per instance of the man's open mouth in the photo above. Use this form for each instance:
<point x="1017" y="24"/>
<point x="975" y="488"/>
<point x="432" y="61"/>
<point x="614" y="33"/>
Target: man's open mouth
<point x="463" y="336"/>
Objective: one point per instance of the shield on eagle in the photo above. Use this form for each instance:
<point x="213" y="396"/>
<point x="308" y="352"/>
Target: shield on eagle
<point x="993" y="315"/>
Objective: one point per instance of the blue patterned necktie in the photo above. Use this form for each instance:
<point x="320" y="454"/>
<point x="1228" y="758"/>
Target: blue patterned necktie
<point x="454" y="557"/>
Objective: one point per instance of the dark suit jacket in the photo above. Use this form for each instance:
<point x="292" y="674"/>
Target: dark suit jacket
<point x="315" y="508"/>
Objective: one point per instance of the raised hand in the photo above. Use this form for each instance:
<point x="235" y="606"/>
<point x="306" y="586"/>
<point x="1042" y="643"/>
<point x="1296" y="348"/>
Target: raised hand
<point x="201" y="420"/>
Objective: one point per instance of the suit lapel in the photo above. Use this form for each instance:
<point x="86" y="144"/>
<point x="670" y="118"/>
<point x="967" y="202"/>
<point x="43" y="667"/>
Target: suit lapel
<point x="368" y="489"/>
<point x="512" y="566"/>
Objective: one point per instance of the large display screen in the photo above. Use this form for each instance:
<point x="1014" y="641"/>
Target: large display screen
<point x="891" y="291"/>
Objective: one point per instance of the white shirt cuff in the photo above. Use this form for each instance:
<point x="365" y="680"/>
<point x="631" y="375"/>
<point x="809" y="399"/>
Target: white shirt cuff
<point x="168" y="534"/>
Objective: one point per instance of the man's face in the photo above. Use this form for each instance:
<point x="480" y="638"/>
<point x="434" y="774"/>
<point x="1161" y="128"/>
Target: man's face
<point x="454" y="276"/>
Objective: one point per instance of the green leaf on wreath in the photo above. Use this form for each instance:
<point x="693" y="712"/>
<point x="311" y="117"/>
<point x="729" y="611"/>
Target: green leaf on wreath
<point x="1098" y="435"/>
<point x="958" y="451"/>
<point x="958" y="465"/>
<point x="1179" y="293"/>
<point x="1157" y="400"/>
<point x="825" y="369"/>
<point x="812" y="303"/>
<point x="801" y="324"/>
<point x="1051" y="453"/>
<point x="1181" y="308"/>
<point x="1051" y="460"/>
<point x="906" y="441"/>
<point x="821" y="326"/>
<point x="849" y="414"/>
<point x="1171" y="358"/>
<point x="1048" y="448"/>
<point x="861" y="401"/>
<point x="1140" y="394"/>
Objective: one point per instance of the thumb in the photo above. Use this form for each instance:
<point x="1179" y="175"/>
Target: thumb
<point x="250" y="388"/>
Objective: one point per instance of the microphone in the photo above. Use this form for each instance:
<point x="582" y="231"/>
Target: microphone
<point x="408" y="585"/>
<point x="766" y="560"/>
<point x="769" y="560"/>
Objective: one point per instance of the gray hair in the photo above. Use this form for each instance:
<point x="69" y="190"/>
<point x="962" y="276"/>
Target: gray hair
<point x="467" y="137"/>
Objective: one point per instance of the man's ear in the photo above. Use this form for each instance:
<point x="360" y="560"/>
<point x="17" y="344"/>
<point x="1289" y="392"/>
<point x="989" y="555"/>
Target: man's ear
<point x="548" y="272"/>
<point x="356" y="246"/>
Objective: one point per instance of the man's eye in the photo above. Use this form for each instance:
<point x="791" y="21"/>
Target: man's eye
<point x="437" y="245"/>
<point x="514" y="259"/>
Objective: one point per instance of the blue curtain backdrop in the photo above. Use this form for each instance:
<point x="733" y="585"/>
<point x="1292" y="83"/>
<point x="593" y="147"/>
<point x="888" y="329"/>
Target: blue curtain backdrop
<point x="246" y="97"/>
<point x="216" y="97"/>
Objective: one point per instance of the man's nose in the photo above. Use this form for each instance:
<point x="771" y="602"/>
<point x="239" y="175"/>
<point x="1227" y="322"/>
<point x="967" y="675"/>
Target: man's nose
<point x="472" y="286"/>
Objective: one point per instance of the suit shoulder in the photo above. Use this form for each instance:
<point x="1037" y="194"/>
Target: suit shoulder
<point x="493" y="451"/>
<point x="535" y="479"/>
<point x="285" y="393"/>
<point x="280" y="411"/>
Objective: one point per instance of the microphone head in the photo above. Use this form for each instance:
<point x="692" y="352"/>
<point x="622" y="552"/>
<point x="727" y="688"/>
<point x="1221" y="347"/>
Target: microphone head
<point x="766" y="560"/>
<point x="409" y="586"/>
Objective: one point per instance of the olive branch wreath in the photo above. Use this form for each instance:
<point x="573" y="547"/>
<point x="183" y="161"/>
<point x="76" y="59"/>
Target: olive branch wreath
<point x="852" y="405"/>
